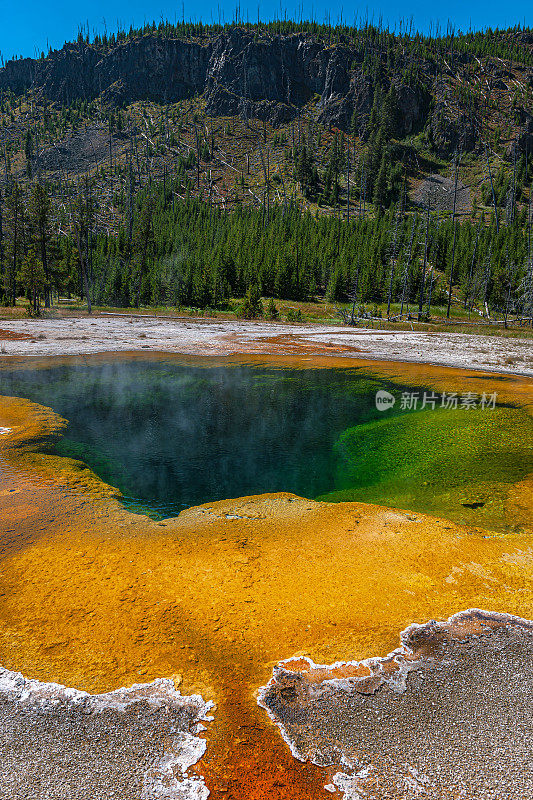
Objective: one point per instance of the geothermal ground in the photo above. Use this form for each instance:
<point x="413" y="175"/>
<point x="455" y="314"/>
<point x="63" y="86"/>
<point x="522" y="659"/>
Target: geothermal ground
<point x="97" y="598"/>
<point x="84" y="335"/>
<point x="60" y="743"/>
<point x="448" y="714"/>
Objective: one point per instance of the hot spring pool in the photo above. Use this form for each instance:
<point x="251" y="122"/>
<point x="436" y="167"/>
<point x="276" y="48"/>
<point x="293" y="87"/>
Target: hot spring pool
<point x="173" y="434"/>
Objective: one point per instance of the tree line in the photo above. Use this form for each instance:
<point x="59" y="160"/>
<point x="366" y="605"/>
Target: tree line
<point x="364" y="33"/>
<point x="189" y="253"/>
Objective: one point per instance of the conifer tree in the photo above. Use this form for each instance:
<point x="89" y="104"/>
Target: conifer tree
<point x="15" y="226"/>
<point x="143" y="237"/>
<point x="39" y="221"/>
<point x="32" y="278"/>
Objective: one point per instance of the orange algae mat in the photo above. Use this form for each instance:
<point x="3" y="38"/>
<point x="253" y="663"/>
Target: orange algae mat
<point x="94" y="597"/>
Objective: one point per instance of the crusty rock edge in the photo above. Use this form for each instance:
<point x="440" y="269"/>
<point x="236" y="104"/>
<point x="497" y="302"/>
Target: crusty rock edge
<point x="186" y="748"/>
<point x="391" y="669"/>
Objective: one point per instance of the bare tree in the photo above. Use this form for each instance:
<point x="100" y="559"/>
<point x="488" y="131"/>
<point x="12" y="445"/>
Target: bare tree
<point x="393" y="257"/>
<point x="40" y="211"/>
<point x="78" y="224"/>
<point x="407" y="267"/>
<point x="510" y="274"/>
<point x="454" y="218"/>
<point x="15" y="207"/>
<point x="425" y="263"/>
<point x="469" y="285"/>
<point x="487" y="275"/>
<point x="142" y="241"/>
<point x="348" y="181"/>
<point x="431" y="282"/>
<point x="526" y="285"/>
<point x="2" y="265"/>
<point x="489" y="172"/>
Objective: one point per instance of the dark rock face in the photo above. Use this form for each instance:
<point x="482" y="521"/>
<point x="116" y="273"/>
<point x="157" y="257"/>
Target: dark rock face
<point x="335" y="106"/>
<point x="151" y="68"/>
<point x="361" y="94"/>
<point x="236" y="72"/>
<point x="412" y="109"/>
<point x="265" y="79"/>
<point x="452" y="125"/>
<point x="18" y="75"/>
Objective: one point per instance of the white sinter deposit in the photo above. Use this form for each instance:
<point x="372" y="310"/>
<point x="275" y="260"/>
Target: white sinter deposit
<point x="120" y="333"/>
<point x="447" y="714"/>
<point x="136" y="742"/>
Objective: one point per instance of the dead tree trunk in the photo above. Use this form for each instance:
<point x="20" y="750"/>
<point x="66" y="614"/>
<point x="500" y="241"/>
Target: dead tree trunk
<point x="486" y="280"/>
<point x="472" y="264"/>
<point x="354" y="295"/>
<point x="426" y="251"/>
<point x="348" y="183"/>
<point x="430" y="291"/>
<point x="405" y="285"/>
<point x="15" y="248"/>
<point x="2" y="266"/>
<point x="77" y="226"/>
<point x="492" y="190"/>
<point x="393" y="261"/>
<point x="454" y="219"/>
<point x="197" y="158"/>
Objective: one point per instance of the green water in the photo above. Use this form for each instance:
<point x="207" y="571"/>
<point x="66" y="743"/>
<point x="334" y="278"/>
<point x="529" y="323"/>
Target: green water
<point x="457" y="463"/>
<point x="170" y="435"/>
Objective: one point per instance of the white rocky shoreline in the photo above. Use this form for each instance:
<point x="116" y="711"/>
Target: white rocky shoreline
<point x="72" y="336"/>
<point x="135" y="742"/>
<point x="446" y="714"/>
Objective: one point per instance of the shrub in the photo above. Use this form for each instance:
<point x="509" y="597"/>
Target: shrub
<point x="295" y="315"/>
<point x="272" y="311"/>
<point x="252" y="306"/>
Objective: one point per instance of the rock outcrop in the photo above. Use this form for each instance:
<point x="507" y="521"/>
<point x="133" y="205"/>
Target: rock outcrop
<point x="236" y="72"/>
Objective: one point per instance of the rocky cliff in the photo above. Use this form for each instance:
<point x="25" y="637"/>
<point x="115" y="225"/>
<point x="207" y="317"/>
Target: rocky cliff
<point x="237" y="73"/>
<point x="272" y="77"/>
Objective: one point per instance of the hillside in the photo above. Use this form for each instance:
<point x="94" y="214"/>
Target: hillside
<point x="357" y="126"/>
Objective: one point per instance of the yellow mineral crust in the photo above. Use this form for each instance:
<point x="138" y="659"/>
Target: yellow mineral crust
<point x="95" y="597"/>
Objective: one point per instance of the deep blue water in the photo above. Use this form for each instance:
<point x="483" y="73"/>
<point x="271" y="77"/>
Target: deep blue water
<point x="170" y="435"/>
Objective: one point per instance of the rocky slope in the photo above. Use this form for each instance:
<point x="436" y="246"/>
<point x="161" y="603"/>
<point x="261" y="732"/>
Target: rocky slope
<point x="240" y="72"/>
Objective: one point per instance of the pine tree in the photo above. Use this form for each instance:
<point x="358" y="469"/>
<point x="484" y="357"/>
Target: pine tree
<point x="389" y="113"/>
<point x="14" y="206"/>
<point x="32" y="278"/>
<point x="272" y="311"/>
<point x="380" y="189"/>
<point x="305" y="173"/>
<point x="252" y="306"/>
<point x="39" y="221"/>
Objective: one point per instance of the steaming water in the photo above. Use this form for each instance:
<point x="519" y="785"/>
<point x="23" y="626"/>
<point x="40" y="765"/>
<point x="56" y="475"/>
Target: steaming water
<point x="171" y="435"/>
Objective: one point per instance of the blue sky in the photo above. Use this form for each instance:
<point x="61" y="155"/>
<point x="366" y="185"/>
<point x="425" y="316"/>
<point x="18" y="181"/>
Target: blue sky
<point x="28" y="27"/>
